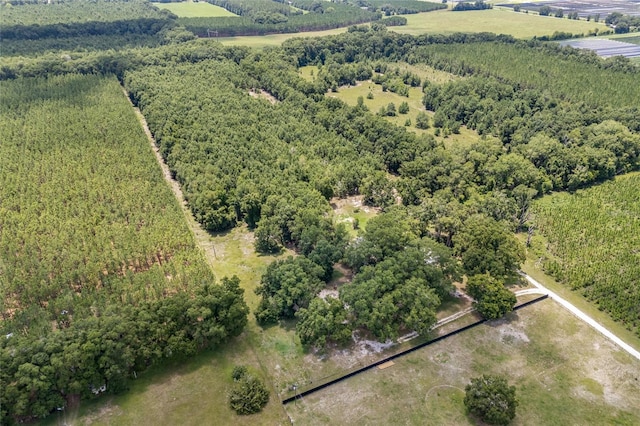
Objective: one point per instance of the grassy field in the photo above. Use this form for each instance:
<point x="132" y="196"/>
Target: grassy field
<point x="381" y="99"/>
<point x="520" y="25"/>
<point x="565" y="373"/>
<point x="260" y="42"/>
<point x="189" y="9"/>
<point x="626" y="38"/>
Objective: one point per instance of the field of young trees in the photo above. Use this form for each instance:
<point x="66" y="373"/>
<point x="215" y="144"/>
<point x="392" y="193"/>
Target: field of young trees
<point x="593" y="236"/>
<point x="80" y="18"/>
<point x="100" y="274"/>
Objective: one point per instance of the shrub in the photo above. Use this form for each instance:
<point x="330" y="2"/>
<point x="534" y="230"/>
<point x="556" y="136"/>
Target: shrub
<point x="491" y="399"/>
<point x="249" y="395"/>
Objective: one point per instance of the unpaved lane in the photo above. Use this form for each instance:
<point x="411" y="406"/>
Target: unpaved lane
<point x="584" y="317"/>
<point x="202" y="237"/>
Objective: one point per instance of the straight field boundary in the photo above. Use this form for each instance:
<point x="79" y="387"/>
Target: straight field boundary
<point x="399" y="354"/>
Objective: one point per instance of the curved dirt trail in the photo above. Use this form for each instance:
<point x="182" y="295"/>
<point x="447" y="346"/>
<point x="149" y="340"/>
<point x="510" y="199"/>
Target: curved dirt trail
<point x="584" y="317"/>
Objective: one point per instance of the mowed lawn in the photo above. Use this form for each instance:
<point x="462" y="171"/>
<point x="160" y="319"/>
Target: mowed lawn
<point x="517" y="24"/>
<point x="564" y="371"/>
<point x="194" y="10"/>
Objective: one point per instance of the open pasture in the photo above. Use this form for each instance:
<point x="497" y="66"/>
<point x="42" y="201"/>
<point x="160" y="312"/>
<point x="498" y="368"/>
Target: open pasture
<point x="554" y="360"/>
<point x="260" y="42"/>
<point x="190" y="9"/>
<point x="519" y="25"/>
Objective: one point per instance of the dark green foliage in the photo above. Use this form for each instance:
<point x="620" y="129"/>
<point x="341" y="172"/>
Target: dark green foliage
<point x="40" y="371"/>
<point x="322" y="322"/>
<point x="401" y="279"/>
<point x="403" y="108"/>
<point x="95" y="245"/>
<point x="491" y="399"/>
<point x="493" y="300"/>
<point x="239" y="371"/>
<point x="80" y="18"/>
<point x="478" y="5"/>
<point x="259" y="17"/>
<point x="402" y="291"/>
<point x="287" y="286"/>
<point x="248" y="395"/>
<point x="422" y="120"/>
<point x="488" y="246"/>
<point x="400" y="7"/>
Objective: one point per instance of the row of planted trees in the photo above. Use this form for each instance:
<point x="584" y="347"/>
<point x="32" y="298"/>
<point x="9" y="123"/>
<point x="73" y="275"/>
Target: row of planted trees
<point x="99" y="274"/>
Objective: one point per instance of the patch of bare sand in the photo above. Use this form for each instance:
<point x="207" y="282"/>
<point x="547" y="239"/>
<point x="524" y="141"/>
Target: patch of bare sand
<point x="343" y="206"/>
<point x="106" y="411"/>
<point x="263" y="94"/>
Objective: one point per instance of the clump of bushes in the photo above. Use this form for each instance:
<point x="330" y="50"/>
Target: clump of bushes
<point x="249" y="394"/>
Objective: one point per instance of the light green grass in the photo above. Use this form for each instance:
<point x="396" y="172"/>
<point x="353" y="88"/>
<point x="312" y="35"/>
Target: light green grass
<point x="382" y="99"/>
<point x="519" y="25"/>
<point x="190" y="9"/>
<point x="564" y="372"/>
<point x="260" y="42"/>
<point x="633" y="38"/>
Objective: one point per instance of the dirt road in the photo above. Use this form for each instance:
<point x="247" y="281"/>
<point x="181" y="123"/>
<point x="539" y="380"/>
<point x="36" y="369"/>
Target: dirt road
<point x="584" y="317"/>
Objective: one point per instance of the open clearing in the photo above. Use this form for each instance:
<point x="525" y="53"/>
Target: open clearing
<point x="194" y="10"/>
<point x="381" y="99"/>
<point x="519" y="25"/>
<point x="274" y="39"/>
<point x="565" y="373"/>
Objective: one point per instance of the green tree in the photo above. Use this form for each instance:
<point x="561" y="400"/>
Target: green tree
<point x="488" y="246"/>
<point x="403" y="108"/>
<point x="324" y="321"/>
<point x="249" y="395"/>
<point x="287" y="286"/>
<point x="422" y="120"/>
<point x="491" y="399"/>
<point x="391" y="109"/>
<point x="493" y="300"/>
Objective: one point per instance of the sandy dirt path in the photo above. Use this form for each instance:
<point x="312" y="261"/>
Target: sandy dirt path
<point x="584" y="317"/>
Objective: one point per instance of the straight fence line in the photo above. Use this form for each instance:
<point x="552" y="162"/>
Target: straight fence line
<point x="399" y="354"/>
